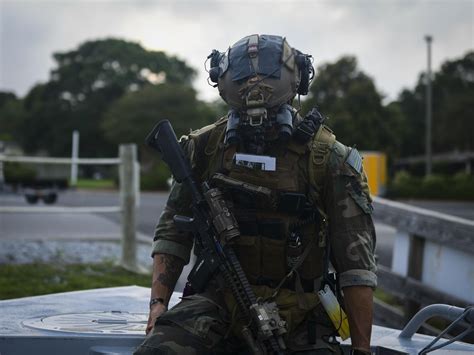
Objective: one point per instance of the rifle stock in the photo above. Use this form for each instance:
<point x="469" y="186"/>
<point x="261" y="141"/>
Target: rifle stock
<point x="163" y="139"/>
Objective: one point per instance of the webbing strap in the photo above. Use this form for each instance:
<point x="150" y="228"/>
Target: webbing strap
<point x="295" y="267"/>
<point x="320" y="151"/>
<point x="319" y="156"/>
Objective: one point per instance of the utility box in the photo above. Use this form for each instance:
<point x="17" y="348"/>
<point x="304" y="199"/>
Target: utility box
<point x="375" y="166"/>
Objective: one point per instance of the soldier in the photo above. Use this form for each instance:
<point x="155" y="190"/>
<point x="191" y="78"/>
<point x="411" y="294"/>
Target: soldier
<point x="317" y="219"/>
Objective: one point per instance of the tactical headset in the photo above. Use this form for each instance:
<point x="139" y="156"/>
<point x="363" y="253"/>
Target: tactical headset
<point x="306" y="69"/>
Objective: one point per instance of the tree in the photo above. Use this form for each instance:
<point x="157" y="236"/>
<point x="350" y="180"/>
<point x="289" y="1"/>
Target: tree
<point x="350" y="99"/>
<point x="453" y="90"/>
<point x="132" y="117"/>
<point x="85" y="82"/>
<point x="453" y="113"/>
<point x="12" y="116"/>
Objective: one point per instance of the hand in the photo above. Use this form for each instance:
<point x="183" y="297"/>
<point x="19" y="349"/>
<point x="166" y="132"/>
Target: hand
<point x="156" y="310"/>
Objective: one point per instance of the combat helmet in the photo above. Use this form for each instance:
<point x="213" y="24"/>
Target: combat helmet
<point x="257" y="77"/>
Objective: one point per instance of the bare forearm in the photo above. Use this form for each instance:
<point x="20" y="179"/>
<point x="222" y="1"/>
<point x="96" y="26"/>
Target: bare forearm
<point x="166" y="271"/>
<point x="359" y="307"/>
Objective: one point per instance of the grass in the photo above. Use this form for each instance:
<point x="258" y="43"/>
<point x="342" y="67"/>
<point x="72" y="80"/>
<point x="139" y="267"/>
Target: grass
<point x="387" y="298"/>
<point x="95" y="184"/>
<point x="39" y="279"/>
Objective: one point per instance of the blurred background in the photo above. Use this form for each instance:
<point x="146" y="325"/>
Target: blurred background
<point x="389" y="74"/>
<point x="110" y="69"/>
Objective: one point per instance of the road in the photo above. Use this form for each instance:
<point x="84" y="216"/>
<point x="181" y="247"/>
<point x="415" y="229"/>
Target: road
<point x="151" y="205"/>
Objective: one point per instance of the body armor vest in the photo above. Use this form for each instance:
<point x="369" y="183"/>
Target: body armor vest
<point x="269" y="223"/>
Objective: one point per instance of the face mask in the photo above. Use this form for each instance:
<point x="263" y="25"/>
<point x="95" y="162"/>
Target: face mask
<point x="254" y="127"/>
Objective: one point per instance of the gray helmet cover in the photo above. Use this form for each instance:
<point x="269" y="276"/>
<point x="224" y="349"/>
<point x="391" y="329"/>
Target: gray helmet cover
<point x="258" y="71"/>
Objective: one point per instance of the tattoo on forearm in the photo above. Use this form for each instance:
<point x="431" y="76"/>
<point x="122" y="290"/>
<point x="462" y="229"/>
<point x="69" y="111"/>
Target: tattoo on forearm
<point x="173" y="268"/>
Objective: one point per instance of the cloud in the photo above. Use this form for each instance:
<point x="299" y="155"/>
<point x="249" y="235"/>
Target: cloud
<point x="386" y="37"/>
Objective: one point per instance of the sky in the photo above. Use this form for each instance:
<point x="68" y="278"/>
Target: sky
<point x="386" y="36"/>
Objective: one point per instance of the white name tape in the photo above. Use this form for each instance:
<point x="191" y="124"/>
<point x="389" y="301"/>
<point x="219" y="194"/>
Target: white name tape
<point x="260" y="162"/>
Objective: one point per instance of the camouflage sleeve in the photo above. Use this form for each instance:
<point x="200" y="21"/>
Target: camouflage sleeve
<point x="351" y="229"/>
<point x="167" y="239"/>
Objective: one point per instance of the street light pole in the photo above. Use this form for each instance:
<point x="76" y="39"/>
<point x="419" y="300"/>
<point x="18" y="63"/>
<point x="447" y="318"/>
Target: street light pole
<point x="428" y="169"/>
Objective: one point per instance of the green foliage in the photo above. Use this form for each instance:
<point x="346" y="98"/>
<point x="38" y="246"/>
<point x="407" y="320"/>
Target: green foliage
<point x="459" y="186"/>
<point x="156" y="178"/>
<point x="350" y="99"/>
<point x="12" y="115"/>
<point x="388" y="298"/>
<point x="5" y="97"/>
<point x="463" y="185"/>
<point x="453" y="90"/>
<point x="435" y="186"/>
<point x="453" y="99"/>
<point x="132" y="117"/>
<point x="219" y="108"/>
<point x="115" y="62"/>
<point x="93" y="184"/>
<point x="18" y="173"/>
<point x="39" y="279"/>
<point x="405" y="185"/>
<point x="85" y="83"/>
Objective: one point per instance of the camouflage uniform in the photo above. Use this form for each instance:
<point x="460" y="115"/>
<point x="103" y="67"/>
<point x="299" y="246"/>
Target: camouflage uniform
<point x="206" y="323"/>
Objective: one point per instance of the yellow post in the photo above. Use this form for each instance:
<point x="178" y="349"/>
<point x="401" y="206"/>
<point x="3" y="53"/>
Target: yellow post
<point x="375" y="166"/>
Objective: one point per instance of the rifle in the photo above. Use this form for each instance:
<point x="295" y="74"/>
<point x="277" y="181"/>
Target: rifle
<point x="214" y="227"/>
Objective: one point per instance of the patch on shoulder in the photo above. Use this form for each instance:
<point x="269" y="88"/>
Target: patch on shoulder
<point x="354" y="160"/>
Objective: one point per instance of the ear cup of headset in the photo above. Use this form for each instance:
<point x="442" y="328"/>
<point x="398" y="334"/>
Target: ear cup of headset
<point x="214" y="71"/>
<point x="214" y="74"/>
<point x="305" y="67"/>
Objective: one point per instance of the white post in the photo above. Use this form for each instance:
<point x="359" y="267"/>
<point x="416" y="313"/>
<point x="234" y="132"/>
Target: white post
<point x="74" y="157"/>
<point x="137" y="183"/>
<point x="128" y="157"/>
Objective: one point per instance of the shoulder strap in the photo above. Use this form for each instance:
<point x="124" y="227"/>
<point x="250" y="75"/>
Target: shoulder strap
<point x="216" y="137"/>
<point x="320" y="150"/>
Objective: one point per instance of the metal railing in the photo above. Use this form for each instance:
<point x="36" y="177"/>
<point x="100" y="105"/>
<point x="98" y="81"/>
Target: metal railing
<point x="129" y="195"/>
<point x="421" y="227"/>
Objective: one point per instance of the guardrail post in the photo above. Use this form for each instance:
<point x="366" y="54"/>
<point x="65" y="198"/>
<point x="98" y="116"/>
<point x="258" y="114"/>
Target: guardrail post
<point x="128" y="192"/>
<point x="74" y="157"/>
<point x="2" y="176"/>
<point x="415" y="271"/>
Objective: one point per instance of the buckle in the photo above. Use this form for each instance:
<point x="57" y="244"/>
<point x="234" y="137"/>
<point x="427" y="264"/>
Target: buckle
<point x="253" y="50"/>
<point x="256" y="121"/>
